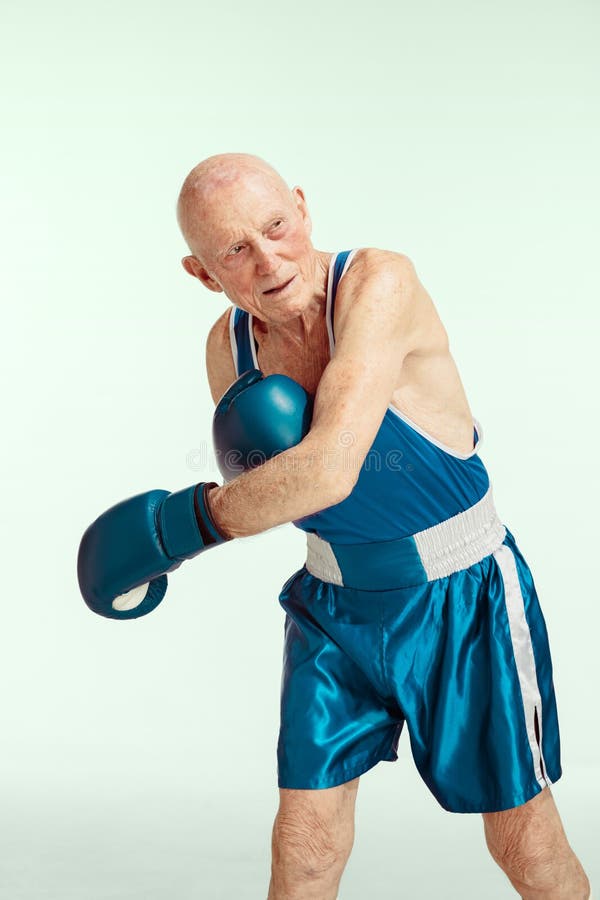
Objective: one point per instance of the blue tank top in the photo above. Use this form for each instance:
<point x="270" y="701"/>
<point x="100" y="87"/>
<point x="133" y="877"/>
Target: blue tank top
<point x="409" y="480"/>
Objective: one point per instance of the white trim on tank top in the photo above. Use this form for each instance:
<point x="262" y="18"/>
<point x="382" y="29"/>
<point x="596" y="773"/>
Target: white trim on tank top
<point x="232" y="339"/>
<point x="252" y="341"/>
<point x="391" y="406"/>
<point x="435" y="441"/>
<point x="327" y="307"/>
<point x="330" y="293"/>
<point x="233" y="342"/>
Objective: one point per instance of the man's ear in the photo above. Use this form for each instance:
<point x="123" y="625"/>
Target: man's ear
<point x="300" y="200"/>
<point x="194" y="267"/>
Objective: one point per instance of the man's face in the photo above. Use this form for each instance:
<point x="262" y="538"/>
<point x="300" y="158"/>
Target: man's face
<point x="253" y="243"/>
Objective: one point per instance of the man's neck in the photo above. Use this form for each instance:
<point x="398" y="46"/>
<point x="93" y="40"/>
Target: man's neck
<point x="298" y="330"/>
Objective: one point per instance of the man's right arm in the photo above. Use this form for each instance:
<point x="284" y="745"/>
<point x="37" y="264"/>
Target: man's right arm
<point x="351" y="400"/>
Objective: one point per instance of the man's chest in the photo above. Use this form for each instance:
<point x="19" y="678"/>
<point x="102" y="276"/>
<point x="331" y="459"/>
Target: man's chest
<point x="305" y="362"/>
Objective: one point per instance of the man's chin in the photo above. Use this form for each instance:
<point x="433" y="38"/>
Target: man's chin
<point x="288" y="311"/>
<point x="287" y="307"/>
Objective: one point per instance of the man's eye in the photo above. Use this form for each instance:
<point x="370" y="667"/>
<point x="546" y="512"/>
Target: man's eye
<point x="235" y="250"/>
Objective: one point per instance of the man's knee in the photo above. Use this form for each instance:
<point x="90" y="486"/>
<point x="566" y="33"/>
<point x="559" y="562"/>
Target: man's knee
<point x="529" y="842"/>
<point x="313" y="831"/>
<point x="309" y="843"/>
<point x="527" y="830"/>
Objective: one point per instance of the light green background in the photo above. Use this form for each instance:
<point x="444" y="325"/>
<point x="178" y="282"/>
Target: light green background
<point x="138" y="759"/>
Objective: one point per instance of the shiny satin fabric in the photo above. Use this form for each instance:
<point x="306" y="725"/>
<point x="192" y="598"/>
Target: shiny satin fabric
<point x="464" y="665"/>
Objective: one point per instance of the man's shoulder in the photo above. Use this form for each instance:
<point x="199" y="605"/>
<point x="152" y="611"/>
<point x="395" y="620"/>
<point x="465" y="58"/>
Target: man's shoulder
<point x="220" y="367"/>
<point x="385" y="288"/>
<point x="375" y="273"/>
<point x="219" y="331"/>
<point x="375" y="256"/>
<point x="375" y="263"/>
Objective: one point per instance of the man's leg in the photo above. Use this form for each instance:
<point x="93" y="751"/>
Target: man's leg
<point x="530" y="846"/>
<point x="313" y="835"/>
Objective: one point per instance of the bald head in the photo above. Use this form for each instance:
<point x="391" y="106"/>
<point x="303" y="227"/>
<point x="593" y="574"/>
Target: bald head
<point x="212" y="180"/>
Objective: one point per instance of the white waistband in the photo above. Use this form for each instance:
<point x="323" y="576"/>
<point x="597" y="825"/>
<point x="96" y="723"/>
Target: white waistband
<point x="451" y="545"/>
<point x="462" y="540"/>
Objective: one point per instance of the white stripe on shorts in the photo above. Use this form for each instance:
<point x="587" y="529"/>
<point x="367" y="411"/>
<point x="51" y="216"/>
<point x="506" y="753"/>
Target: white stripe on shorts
<point x="524" y="658"/>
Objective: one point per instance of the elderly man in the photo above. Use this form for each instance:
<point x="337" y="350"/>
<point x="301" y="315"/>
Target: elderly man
<point x="459" y="651"/>
<point x="415" y="603"/>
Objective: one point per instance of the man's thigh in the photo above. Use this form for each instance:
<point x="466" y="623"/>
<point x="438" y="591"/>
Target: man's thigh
<point x="320" y="821"/>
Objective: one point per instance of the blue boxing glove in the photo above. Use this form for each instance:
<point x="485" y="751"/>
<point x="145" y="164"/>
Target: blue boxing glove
<point x="257" y="418"/>
<point x="124" y="556"/>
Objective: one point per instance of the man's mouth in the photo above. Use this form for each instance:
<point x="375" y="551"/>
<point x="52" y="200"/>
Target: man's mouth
<point x="279" y="288"/>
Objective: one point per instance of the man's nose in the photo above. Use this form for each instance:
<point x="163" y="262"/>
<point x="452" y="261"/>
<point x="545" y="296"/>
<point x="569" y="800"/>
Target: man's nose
<point x="266" y="260"/>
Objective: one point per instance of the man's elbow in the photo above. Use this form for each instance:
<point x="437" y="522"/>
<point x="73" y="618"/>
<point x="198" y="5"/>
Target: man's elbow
<point x="336" y="490"/>
<point x="332" y="470"/>
<point x="339" y="480"/>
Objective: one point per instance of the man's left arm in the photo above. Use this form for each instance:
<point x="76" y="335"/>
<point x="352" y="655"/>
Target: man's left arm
<point x="376" y="327"/>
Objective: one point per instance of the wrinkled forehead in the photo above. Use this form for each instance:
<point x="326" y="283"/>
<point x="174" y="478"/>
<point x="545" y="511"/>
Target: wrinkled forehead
<point x="224" y="209"/>
<point x="242" y="193"/>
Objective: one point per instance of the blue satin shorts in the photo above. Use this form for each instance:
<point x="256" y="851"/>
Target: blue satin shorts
<point x="463" y="658"/>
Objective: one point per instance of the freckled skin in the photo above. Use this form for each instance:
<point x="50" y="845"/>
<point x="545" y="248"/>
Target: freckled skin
<point x="247" y="233"/>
